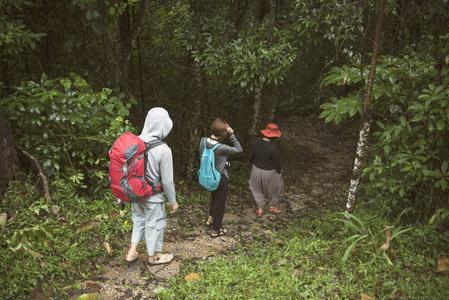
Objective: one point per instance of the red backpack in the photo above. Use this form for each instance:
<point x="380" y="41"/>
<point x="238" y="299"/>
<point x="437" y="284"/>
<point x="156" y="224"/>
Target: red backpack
<point x="127" y="168"/>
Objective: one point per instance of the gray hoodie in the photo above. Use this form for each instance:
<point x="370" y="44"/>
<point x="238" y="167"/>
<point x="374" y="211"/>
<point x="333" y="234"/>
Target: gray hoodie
<point x="160" y="160"/>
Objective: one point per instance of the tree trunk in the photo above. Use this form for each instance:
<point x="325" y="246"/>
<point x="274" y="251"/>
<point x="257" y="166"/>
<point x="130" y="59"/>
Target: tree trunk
<point x="256" y="110"/>
<point x="194" y="100"/>
<point x="9" y="162"/>
<point x="129" y="31"/>
<point x="193" y="120"/>
<point x="272" y="100"/>
<point x="110" y="59"/>
<point x="366" y="116"/>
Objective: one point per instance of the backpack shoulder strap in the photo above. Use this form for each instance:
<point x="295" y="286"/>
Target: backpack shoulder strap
<point x="153" y="144"/>
<point x="214" y="147"/>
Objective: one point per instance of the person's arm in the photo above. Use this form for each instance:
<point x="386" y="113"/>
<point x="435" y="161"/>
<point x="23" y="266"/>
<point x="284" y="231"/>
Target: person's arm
<point x="166" y="167"/>
<point x="230" y="150"/>
<point x="237" y="147"/>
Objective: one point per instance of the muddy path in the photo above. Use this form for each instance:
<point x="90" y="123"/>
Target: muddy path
<point x="316" y="159"/>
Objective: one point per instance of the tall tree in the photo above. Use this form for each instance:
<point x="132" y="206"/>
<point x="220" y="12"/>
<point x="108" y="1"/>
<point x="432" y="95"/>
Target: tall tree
<point x="9" y="162"/>
<point x="366" y="114"/>
<point x="15" y="39"/>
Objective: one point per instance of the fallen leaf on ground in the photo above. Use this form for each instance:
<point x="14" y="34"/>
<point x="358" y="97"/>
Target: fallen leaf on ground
<point x="85" y="225"/>
<point x="91" y="287"/>
<point x="192" y="276"/>
<point x="108" y="247"/>
<point x="63" y="265"/>
<point x="3" y="218"/>
<point x="35" y="254"/>
<point x="281" y="262"/>
<point x="366" y="297"/>
<point x="443" y="264"/>
<point x="12" y="218"/>
<point x="55" y="209"/>
<point x="387" y="242"/>
<point x="48" y="243"/>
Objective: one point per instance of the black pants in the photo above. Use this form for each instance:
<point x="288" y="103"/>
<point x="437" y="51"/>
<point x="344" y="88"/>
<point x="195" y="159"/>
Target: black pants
<point x="218" y="202"/>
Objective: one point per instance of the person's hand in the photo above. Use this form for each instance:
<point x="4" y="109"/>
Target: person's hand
<point x="230" y="131"/>
<point x="174" y="208"/>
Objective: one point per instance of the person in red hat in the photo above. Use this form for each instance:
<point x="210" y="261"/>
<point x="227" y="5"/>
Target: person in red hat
<point x="266" y="182"/>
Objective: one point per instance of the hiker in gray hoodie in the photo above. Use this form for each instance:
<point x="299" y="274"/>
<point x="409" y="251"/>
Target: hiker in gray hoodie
<point x="149" y="216"/>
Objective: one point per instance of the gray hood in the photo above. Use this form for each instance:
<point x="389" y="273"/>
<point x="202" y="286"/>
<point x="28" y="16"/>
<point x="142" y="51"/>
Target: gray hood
<point x="157" y="125"/>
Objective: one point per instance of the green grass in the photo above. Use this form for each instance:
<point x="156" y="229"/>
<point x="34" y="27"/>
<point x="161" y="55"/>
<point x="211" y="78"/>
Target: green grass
<point x="308" y="259"/>
<point x="305" y="263"/>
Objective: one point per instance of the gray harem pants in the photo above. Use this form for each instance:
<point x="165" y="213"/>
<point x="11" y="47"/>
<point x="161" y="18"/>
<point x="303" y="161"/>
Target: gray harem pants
<point x="266" y="186"/>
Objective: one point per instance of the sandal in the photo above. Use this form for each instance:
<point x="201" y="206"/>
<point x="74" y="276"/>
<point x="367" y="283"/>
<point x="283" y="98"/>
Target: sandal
<point x="161" y="259"/>
<point x="209" y="224"/>
<point x="133" y="258"/>
<point x="222" y="232"/>
<point x="274" y="210"/>
<point x="259" y="213"/>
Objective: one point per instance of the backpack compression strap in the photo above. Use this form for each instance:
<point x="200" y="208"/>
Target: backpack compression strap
<point x="150" y="145"/>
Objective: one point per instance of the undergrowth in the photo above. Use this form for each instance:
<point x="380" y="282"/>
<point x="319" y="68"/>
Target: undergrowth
<point x="45" y="247"/>
<point x="306" y="262"/>
<point x="50" y="247"/>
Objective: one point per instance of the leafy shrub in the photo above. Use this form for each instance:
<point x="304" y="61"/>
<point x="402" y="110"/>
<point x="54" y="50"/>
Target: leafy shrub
<point x="67" y="126"/>
<point x="410" y="165"/>
<point x="44" y="246"/>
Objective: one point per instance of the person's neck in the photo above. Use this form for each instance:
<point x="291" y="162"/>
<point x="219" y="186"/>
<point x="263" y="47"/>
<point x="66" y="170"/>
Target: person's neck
<point x="266" y="139"/>
<point x="214" y="138"/>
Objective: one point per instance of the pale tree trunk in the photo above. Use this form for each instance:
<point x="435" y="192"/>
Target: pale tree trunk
<point x="366" y="117"/>
<point x="256" y="110"/>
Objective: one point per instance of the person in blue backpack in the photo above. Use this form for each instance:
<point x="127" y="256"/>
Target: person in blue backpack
<point x="149" y="216"/>
<point x="219" y="131"/>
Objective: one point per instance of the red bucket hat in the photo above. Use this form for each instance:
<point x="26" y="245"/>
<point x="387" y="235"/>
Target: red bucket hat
<point x="272" y="130"/>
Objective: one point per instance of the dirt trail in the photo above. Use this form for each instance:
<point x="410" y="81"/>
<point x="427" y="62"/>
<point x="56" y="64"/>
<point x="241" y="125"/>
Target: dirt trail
<point x="316" y="161"/>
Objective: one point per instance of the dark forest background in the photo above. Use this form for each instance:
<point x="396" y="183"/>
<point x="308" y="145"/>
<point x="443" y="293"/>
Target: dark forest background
<point x="76" y="74"/>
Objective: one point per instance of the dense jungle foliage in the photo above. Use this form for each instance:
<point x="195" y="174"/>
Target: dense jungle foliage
<point x="76" y="74"/>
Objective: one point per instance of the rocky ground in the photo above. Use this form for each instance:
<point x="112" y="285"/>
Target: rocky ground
<point x="317" y="160"/>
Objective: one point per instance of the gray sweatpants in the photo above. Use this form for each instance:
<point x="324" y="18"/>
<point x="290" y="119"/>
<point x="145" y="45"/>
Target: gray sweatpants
<point x="266" y="186"/>
<point x="149" y="220"/>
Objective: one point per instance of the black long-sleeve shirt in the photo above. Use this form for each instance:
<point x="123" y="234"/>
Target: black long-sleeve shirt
<point x="265" y="155"/>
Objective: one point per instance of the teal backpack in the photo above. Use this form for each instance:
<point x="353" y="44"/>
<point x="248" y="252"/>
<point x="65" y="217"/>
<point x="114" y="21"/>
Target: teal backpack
<point x="209" y="177"/>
